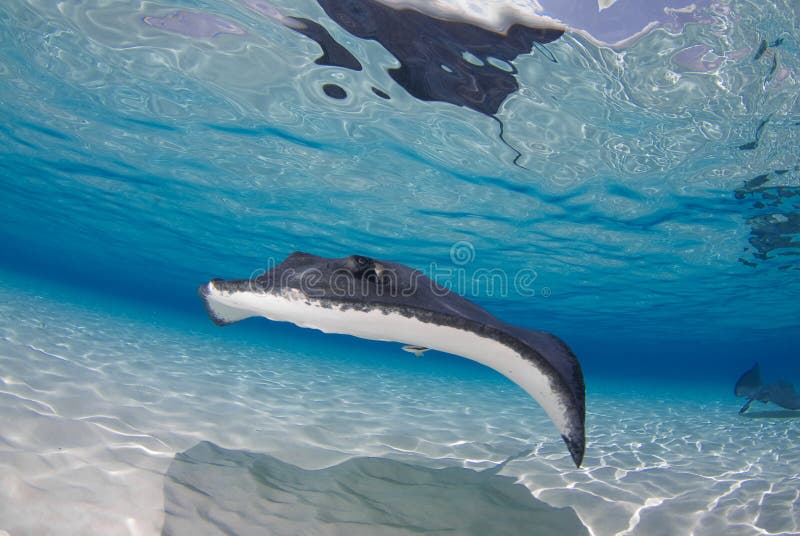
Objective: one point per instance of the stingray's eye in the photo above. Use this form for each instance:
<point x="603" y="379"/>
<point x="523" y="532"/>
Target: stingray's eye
<point x="358" y="264"/>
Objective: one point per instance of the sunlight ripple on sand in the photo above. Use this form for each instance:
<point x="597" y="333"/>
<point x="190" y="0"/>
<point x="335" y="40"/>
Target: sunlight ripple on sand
<point x="95" y="408"/>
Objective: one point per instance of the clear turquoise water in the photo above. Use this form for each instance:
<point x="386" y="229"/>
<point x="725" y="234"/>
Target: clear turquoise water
<point x="137" y="163"/>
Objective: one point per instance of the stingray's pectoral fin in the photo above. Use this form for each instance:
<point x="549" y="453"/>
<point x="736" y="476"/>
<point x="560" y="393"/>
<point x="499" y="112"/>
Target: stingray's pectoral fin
<point x="220" y="302"/>
<point x="746" y="406"/>
<point x="551" y="374"/>
<point x="416" y="350"/>
<point x="749" y="383"/>
<point x="576" y="446"/>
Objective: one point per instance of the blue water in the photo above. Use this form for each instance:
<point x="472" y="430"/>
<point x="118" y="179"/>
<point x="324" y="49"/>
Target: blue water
<point x="649" y="192"/>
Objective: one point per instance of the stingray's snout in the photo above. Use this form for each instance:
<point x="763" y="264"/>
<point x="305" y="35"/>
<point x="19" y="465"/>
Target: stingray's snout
<point x="214" y="285"/>
<point x="204" y="289"/>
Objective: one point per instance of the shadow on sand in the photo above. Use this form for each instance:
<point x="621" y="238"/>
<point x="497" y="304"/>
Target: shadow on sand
<point x="773" y="414"/>
<point x="211" y="490"/>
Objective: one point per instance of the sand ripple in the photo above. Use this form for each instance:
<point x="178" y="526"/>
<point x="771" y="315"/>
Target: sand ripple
<point x="95" y="407"/>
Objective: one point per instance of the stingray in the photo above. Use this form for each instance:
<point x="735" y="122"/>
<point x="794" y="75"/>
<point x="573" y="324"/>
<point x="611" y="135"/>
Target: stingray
<point x="387" y="301"/>
<point x="751" y="387"/>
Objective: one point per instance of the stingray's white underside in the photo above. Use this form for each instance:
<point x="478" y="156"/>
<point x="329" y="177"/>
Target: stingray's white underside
<point x="293" y="306"/>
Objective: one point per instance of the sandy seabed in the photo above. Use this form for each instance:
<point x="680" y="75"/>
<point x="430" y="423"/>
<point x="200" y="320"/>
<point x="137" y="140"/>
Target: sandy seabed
<point x="96" y="405"/>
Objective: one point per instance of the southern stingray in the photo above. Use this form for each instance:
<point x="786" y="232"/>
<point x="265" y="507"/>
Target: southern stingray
<point x="751" y="386"/>
<point x="386" y="301"/>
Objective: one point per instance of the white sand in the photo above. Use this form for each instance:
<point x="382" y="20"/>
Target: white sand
<point x="94" y="407"/>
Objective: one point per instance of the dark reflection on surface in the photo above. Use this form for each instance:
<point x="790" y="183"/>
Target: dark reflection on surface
<point x="208" y="489"/>
<point x="752" y="145"/>
<point x="334" y="91"/>
<point x="382" y="94"/>
<point x="441" y="60"/>
<point x="332" y="52"/>
<point x="445" y="61"/>
<point x="775" y="228"/>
